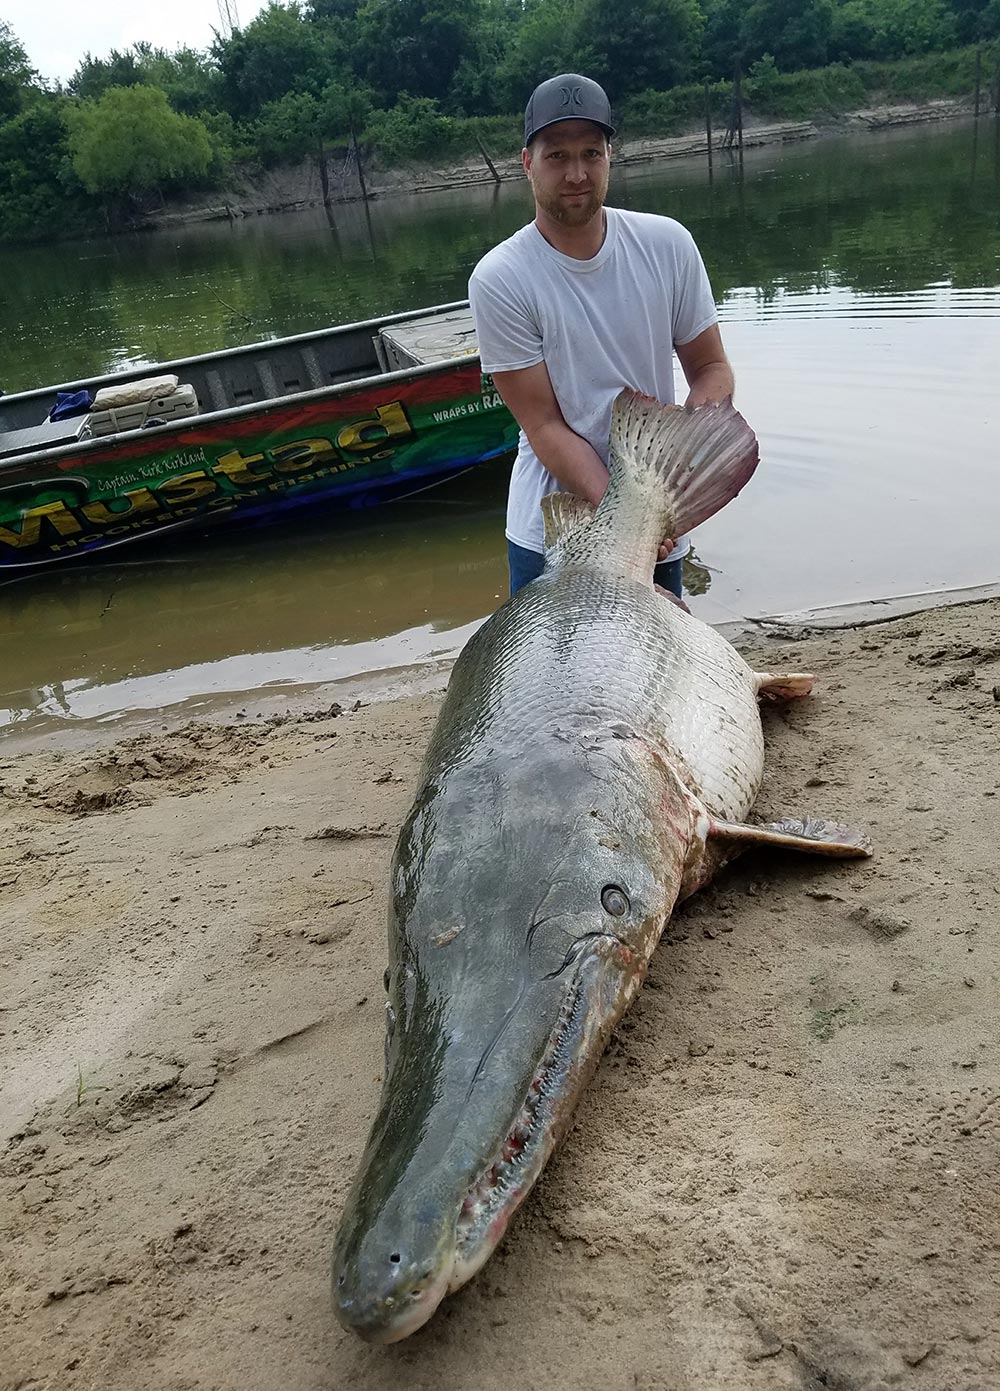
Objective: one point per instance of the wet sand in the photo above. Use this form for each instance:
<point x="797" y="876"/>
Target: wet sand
<point x="783" y="1175"/>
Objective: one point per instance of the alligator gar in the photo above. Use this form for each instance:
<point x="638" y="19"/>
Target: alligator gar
<point x="594" y="761"/>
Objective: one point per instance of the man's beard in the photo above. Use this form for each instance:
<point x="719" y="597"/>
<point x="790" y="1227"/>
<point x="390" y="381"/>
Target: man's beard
<point x="573" y="214"/>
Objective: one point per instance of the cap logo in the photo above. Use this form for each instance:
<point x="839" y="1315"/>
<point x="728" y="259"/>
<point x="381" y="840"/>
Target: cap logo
<point x="571" y="96"/>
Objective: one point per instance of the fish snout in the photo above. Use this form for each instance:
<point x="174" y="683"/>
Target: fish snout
<point x="385" y="1295"/>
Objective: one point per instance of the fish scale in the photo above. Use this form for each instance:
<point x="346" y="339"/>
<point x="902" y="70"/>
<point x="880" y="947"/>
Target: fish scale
<point x="643" y="662"/>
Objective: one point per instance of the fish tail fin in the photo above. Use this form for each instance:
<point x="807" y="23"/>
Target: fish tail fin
<point x="699" y="459"/>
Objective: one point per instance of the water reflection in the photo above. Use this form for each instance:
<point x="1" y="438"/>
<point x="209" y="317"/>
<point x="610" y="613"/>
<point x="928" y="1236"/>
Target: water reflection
<point x="894" y="212"/>
<point x="859" y="288"/>
<point x="313" y="599"/>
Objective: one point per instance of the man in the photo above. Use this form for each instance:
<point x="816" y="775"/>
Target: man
<point x="581" y="302"/>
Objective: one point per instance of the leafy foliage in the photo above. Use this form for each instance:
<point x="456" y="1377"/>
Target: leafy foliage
<point x="421" y="78"/>
<point x="277" y="54"/>
<point x="189" y="78"/>
<point x="16" y="74"/>
<point x="887" y="29"/>
<point x="414" y="127"/>
<point x="637" y="44"/>
<point x="795" y="32"/>
<point x="38" y="187"/>
<point x="132" y="140"/>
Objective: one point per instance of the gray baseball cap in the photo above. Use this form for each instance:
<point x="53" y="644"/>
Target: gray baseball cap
<point x="568" y="97"/>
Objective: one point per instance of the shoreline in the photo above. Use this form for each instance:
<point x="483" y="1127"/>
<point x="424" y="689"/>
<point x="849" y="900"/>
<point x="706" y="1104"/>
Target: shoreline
<point x="783" y="1169"/>
<point x="294" y="188"/>
<point x="429" y="676"/>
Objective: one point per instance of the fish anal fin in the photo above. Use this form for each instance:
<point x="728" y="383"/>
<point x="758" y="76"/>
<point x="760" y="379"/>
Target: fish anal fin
<point x="565" y="516"/>
<point x="811" y="834"/>
<point x="784" y="685"/>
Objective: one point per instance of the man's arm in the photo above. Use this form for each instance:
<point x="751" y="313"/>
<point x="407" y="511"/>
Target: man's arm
<point x="566" y="455"/>
<point x="530" y="399"/>
<point x="706" y="368"/>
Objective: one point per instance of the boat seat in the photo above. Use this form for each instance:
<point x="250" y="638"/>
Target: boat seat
<point x="172" y="403"/>
<point x="131" y="393"/>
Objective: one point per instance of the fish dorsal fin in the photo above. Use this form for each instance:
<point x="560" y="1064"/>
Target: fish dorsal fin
<point x="701" y="458"/>
<point x="566" y="516"/>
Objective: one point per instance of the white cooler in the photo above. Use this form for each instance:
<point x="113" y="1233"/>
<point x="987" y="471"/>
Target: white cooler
<point x="133" y="404"/>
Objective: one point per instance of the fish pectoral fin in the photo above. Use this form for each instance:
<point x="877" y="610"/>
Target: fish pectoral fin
<point x="565" y="516"/>
<point x="812" y="834"/>
<point x="784" y="685"/>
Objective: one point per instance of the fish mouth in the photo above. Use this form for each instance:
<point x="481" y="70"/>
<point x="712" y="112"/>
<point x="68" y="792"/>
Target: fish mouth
<point x="537" y="1128"/>
<point x="607" y="977"/>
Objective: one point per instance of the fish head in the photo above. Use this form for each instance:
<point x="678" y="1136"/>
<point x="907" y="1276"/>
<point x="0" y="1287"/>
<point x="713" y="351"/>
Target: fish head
<point x="526" y="903"/>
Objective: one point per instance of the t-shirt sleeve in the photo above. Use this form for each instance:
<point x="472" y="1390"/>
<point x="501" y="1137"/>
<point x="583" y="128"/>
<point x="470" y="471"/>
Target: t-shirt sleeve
<point x="508" y="335"/>
<point x="694" y="305"/>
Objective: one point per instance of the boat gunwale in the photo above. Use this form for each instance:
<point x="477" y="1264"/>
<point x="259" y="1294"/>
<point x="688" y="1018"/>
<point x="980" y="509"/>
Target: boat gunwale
<point x="156" y="368"/>
<point x="254" y="408"/>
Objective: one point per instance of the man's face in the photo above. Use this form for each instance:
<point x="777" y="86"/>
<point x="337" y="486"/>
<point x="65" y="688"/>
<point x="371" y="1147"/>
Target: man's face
<point x="568" y="166"/>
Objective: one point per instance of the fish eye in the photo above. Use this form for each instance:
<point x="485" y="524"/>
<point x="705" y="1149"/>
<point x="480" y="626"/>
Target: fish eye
<point x="614" y="900"/>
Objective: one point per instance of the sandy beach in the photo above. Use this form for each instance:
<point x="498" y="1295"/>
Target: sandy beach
<point x="783" y="1175"/>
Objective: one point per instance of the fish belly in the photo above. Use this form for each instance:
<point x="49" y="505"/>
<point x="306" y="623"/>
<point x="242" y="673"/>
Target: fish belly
<point x="579" y="648"/>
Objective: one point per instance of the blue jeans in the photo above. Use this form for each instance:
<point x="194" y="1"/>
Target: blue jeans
<point x="526" y="566"/>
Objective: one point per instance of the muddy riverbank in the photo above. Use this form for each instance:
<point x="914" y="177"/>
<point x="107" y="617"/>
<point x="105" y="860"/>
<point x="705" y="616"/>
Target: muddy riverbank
<point x="783" y="1174"/>
<point x="291" y="187"/>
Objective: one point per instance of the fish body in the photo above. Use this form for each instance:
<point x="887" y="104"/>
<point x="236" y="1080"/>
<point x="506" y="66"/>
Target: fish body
<point x="593" y="762"/>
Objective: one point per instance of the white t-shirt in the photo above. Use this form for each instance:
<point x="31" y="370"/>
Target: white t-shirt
<point x="598" y="325"/>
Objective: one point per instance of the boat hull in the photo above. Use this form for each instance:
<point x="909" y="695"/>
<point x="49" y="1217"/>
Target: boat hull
<point x="351" y="445"/>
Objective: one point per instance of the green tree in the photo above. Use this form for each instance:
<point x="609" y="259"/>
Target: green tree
<point x="188" y="76"/>
<point x="131" y="142"/>
<point x="543" y="44"/>
<point x="277" y="53"/>
<point x="289" y="127"/>
<point x="345" y="106"/>
<point x="976" y="19"/>
<point x="640" y="44"/>
<point x="722" y="42"/>
<point x="412" y="129"/>
<point x="415" y="46"/>
<point x="299" y="124"/>
<point x="796" y="32"/>
<point x="324" y="10"/>
<point x="40" y="195"/>
<point x="94" y="76"/>
<point x="17" y="77"/>
<point x="228" y="143"/>
<point x="887" y="29"/>
<point x="475" y="89"/>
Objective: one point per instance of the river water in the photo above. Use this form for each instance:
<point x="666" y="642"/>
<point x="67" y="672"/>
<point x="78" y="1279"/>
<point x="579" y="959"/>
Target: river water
<point x="858" y="284"/>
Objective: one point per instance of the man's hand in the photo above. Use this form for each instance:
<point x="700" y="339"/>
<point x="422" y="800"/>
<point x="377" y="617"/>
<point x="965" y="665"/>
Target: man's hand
<point x="666" y="546"/>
